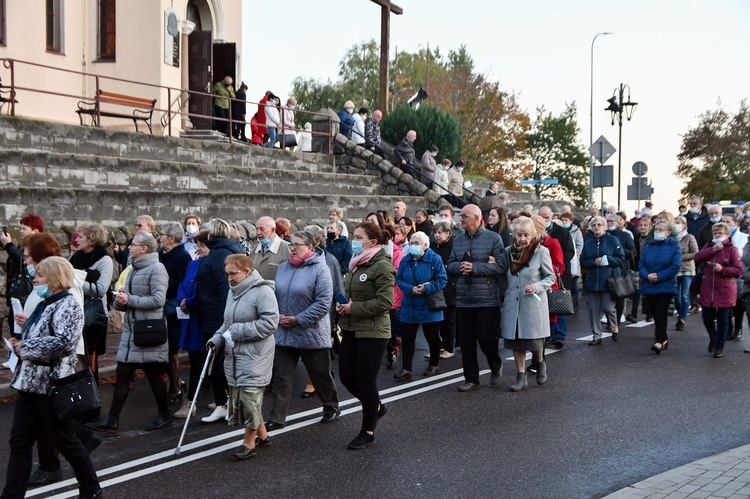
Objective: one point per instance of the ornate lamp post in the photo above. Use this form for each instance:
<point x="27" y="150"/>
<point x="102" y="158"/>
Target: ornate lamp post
<point x="617" y="105"/>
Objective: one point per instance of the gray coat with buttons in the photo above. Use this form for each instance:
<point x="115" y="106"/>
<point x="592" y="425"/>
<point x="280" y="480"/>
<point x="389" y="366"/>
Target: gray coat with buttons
<point x="525" y="317"/>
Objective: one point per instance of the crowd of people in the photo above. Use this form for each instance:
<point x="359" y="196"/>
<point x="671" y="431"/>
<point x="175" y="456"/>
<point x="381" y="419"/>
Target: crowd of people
<point x="319" y="295"/>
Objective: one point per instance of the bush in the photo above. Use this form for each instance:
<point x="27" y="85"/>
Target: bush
<point x="433" y="126"/>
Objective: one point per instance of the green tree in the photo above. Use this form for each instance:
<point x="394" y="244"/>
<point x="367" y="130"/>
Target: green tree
<point x="555" y="152"/>
<point x="434" y="128"/>
<point x="714" y="158"/>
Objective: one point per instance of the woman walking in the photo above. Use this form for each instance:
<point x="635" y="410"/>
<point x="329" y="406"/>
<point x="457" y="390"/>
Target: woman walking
<point x="365" y="325"/>
<point x="688" y="247"/>
<point x="658" y="267"/>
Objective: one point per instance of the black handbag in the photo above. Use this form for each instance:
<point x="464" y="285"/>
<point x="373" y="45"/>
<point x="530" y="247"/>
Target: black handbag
<point x="75" y="395"/>
<point x="436" y="301"/>
<point x="149" y="332"/>
<point x="695" y="284"/>
<point x="560" y="301"/>
<point x="21" y="286"/>
<point x="94" y="314"/>
<point x="620" y="287"/>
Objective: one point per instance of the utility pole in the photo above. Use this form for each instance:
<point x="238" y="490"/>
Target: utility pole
<point x="385" y="33"/>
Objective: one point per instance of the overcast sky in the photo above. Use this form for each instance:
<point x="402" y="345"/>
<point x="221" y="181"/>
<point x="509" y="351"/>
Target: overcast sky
<point x="680" y="58"/>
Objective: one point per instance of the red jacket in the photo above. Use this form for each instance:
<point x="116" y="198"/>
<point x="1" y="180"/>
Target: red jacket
<point x="719" y="289"/>
<point x="262" y="113"/>
<point x="558" y="263"/>
<point x="256" y="134"/>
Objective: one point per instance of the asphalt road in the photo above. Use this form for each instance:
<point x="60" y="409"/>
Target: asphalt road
<point x="609" y="416"/>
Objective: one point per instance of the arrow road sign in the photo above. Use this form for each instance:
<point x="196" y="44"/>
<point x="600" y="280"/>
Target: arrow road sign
<point x="602" y="150"/>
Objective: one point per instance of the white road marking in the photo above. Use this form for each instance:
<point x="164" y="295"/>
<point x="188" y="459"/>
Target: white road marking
<point x="430" y="382"/>
<point x="547" y="351"/>
<point x="591" y="337"/>
<point x="641" y="324"/>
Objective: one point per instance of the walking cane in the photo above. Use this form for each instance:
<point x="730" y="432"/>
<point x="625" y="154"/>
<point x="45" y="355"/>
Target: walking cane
<point x="207" y="366"/>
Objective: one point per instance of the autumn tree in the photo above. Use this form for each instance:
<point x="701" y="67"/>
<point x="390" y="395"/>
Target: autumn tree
<point x="714" y="159"/>
<point x="554" y="152"/>
<point x="434" y="127"/>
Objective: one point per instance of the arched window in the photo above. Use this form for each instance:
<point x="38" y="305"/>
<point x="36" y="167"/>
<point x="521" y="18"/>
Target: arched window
<point x="107" y="40"/>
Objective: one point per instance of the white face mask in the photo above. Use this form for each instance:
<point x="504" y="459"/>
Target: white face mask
<point x="678" y="227"/>
<point x="191" y="229"/>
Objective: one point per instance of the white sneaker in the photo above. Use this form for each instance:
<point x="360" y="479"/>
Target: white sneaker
<point x="445" y="354"/>
<point x="220" y="413"/>
<point x="604" y="319"/>
<point x="622" y="319"/>
<point x="183" y="412"/>
<point x="6" y="365"/>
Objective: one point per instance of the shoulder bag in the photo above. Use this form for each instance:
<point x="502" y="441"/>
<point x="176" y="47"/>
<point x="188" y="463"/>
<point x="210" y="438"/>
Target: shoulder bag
<point x="436" y="300"/>
<point x="147" y="332"/>
<point x="620" y="287"/>
<point x="695" y="284"/>
<point x="560" y="301"/>
<point x="21" y="286"/>
<point x="94" y="314"/>
<point x="75" y="395"/>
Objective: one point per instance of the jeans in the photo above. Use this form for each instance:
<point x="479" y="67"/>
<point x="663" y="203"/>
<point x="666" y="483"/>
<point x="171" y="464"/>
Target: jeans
<point x="717" y="332"/>
<point x="479" y="325"/>
<point x="683" y="295"/>
<point x="559" y="328"/>
<point x="272" y="138"/>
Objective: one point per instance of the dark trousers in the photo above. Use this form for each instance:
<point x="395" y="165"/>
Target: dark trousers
<point x="318" y="365"/>
<point x="197" y="360"/>
<point x="33" y="413"/>
<point x="479" y="325"/>
<point x="658" y="306"/>
<point x="153" y="373"/>
<point x="359" y="365"/>
<point x="717" y="332"/>
<point x="448" y="329"/>
<point x="49" y="459"/>
<point x="93" y="337"/>
<point x="395" y="341"/>
<point x="431" y="332"/>
<point x="736" y="321"/>
<point x="218" y="378"/>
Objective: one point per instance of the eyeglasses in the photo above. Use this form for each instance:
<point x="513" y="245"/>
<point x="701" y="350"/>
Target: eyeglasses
<point x="597" y="224"/>
<point x="464" y="216"/>
<point x="167" y="235"/>
<point x="231" y="274"/>
<point x="298" y="245"/>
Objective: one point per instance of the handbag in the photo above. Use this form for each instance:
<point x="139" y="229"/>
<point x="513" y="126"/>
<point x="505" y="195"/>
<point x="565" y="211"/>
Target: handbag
<point x="149" y="332"/>
<point x="560" y="301"/>
<point x="94" y="314"/>
<point x="290" y="140"/>
<point x="620" y="287"/>
<point x="695" y="284"/>
<point x="21" y="286"/>
<point x="436" y="301"/>
<point x="75" y="395"/>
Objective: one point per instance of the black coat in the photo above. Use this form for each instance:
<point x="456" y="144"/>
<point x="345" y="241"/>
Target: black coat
<point x="444" y="252"/>
<point x="239" y="106"/>
<point x="176" y="262"/>
<point x="568" y="248"/>
<point x="213" y="287"/>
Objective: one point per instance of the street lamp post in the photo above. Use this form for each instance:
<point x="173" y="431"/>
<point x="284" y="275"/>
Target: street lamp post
<point x="591" y="123"/>
<point x="617" y="105"/>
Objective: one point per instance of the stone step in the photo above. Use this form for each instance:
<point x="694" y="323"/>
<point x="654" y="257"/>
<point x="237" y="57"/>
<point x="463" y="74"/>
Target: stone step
<point x="72" y="206"/>
<point x="30" y="135"/>
<point x="30" y="168"/>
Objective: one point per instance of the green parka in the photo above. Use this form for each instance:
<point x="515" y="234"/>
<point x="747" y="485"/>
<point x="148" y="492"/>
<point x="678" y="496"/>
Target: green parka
<point x="370" y="289"/>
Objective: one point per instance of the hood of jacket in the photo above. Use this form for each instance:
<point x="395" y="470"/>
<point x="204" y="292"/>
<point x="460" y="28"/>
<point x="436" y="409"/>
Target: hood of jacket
<point x="224" y="242"/>
<point x="252" y="281"/>
<point x="145" y="260"/>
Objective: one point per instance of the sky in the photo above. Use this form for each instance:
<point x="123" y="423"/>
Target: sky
<point x="680" y="58"/>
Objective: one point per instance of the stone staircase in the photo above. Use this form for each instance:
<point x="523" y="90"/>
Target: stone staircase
<point x="70" y="174"/>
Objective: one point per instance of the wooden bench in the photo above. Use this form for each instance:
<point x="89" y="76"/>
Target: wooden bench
<point x="143" y="112"/>
<point x="6" y="100"/>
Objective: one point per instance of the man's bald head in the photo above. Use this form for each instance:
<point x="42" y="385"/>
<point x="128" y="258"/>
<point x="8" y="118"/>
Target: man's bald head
<point x="471" y="217"/>
<point x="546" y="213"/>
<point x="265" y="228"/>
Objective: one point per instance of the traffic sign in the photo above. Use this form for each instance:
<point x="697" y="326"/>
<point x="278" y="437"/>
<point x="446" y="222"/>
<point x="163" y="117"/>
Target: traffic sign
<point x="608" y="180"/>
<point x="640" y="168"/>
<point x="602" y="150"/>
<point x="636" y="194"/>
<point x="550" y="181"/>
<point x="529" y="181"/>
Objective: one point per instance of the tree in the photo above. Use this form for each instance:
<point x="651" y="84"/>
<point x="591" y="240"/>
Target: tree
<point x="554" y="152"/>
<point x="434" y="128"/>
<point x="714" y="158"/>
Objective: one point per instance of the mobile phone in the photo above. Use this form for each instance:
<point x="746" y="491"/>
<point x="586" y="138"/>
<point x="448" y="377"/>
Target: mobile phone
<point x="5" y="230"/>
<point x="340" y="298"/>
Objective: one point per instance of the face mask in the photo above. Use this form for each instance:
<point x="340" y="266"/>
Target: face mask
<point x="331" y="236"/>
<point x="42" y="291"/>
<point x="566" y="226"/>
<point x="611" y="228"/>
<point x="460" y="170"/>
<point x="265" y="242"/>
<point x="415" y="250"/>
<point x="446" y="168"/>
<point x="547" y="225"/>
<point x="717" y="241"/>
<point x="678" y="227"/>
<point x="694" y="209"/>
<point x="191" y="229"/>
<point x="357" y="247"/>
<point x="434" y="154"/>
<point x="660" y="236"/>
<point x="683" y="213"/>
<point x="715" y="220"/>
<point x="445" y="219"/>
<point x="292" y="106"/>
<point x="638" y="217"/>
<point x="31" y="271"/>
<point x="732" y="232"/>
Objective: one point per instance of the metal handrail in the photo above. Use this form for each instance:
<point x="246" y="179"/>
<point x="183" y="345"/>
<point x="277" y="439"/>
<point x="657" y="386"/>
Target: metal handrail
<point x="181" y="103"/>
<point x="10" y="64"/>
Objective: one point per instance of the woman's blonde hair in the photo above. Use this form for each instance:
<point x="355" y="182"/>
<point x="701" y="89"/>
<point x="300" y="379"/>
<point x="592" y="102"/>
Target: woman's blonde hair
<point x="58" y="272"/>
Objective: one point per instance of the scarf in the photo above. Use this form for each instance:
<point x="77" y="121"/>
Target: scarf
<point x="84" y="261"/>
<point x="681" y="234"/>
<point x="519" y="257"/>
<point x="296" y="262"/>
<point x="363" y="257"/>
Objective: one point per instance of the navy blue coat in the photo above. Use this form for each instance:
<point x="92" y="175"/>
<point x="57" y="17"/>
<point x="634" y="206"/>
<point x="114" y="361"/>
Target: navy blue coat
<point x="176" y="262"/>
<point x="191" y="337"/>
<point x="213" y="287"/>
<point x="663" y="258"/>
<point x="347" y="123"/>
<point x="593" y="248"/>
<point x="428" y="270"/>
<point x="341" y="248"/>
<point x="628" y="245"/>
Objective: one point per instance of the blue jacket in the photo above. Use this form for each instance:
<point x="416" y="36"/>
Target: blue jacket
<point x="213" y="287"/>
<point x="175" y="261"/>
<point x="593" y="248"/>
<point x="628" y="246"/>
<point x="306" y="293"/>
<point x="428" y="270"/>
<point x="191" y="337"/>
<point x="347" y="123"/>
<point x="663" y="258"/>
<point x="341" y="248"/>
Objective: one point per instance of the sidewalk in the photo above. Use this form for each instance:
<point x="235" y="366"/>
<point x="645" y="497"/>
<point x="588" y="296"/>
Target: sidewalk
<point x="721" y="475"/>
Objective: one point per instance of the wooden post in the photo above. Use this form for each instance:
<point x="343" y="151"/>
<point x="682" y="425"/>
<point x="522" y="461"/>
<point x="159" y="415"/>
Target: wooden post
<point x="385" y="33"/>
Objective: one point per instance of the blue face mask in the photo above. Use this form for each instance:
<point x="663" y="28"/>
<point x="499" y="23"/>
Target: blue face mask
<point x="611" y="228"/>
<point x="660" y="236"/>
<point x="733" y="231"/>
<point x="31" y="271"/>
<point x="357" y="247"/>
<point x="415" y="251"/>
<point x="717" y="241"/>
<point x="547" y="225"/>
<point x="265" y="242"/>
<point x="566" y="226"/>
<point x="715" y="220"/>
<point x="42" y="291"/>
